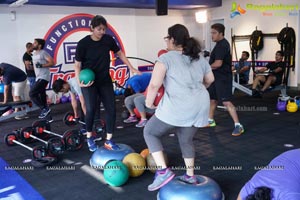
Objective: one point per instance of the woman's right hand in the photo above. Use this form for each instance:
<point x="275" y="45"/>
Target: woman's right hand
<point x="81" y="84"/>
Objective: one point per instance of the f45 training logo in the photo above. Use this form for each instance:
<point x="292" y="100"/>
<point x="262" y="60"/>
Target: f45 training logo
<point x="61" y="41"/>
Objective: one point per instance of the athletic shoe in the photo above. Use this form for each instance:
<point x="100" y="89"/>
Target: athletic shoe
<point x="161" y="179"/>
<point x="130" y="119"/>
<point x="257" y="94"/>
<point x="83" y="131"/>
<point x="141" y="123"/>
<point x="238" y="130"/>
<point x="91" y="144"/>
<point x="97" y="137"/>
<point x="110" y="145"/>
<point x="23" y="116"/>
<point x="189" y="179"/>
<point x="211" y="123"/>
<point x="45" y="112"/>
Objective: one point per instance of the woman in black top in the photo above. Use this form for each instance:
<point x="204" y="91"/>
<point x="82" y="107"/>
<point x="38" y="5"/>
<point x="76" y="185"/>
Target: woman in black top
<point x="93" y="52"/>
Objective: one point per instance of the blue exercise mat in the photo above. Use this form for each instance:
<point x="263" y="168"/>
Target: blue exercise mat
<point x="13" y="186"/>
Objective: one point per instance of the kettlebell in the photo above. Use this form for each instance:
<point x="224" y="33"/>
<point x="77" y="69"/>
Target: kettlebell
<point x="281" y="104"/>
<point x="297" y="100"/>
<point x="291" y="106"/>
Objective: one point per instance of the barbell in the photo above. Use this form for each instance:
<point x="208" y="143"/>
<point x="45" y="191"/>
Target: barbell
<point x="40" y="155"/>
<point x="55" y="146"/>
<point x="72" y="138"/>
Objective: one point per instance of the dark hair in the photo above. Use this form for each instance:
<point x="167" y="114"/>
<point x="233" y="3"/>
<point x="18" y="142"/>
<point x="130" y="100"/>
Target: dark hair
<point x="58" y="85"/>
<point x="98" y="20"/>
<point x="181" y="36"/>
<point x="218" y="27"/>
<point x="28" y="44"/>
<point x="40" y="42"/>
<point x="261" y="193"/>
<point x="280" y="52"/>
<point x="247" y="53"/>
<point x="128" y="92"/>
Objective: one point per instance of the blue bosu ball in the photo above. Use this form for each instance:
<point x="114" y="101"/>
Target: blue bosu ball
<point x="207" y="189"/>
<point x="102" y="155"/>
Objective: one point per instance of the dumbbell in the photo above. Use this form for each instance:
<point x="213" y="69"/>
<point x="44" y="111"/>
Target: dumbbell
<point x="40" y="156"/>
<point x="72" y="138"/>
<point x="55" y="146"/>
<point x="70" y="120"/>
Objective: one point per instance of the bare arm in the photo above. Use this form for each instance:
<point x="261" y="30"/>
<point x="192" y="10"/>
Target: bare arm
<point x="77" y="67"/>
<point x="50" y="62"/>
<point x="278" y="69"/>
<point x="156" y="81"/>
<point x="74" y="105"/>
<point x="216" y="64"/>
<point x="245" y="68"/>
<point x="208" y="79"/>
<point x="239" y="197"/>
<point x="28" y="65"/>
<point x="125" y="60"/>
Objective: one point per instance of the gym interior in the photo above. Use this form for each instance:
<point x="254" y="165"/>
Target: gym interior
<point x="139" y="28"/>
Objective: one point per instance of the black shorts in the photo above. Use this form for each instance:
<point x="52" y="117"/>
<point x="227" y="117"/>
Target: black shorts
<point x="278" y="81"/>
<point x="221" y="90"/>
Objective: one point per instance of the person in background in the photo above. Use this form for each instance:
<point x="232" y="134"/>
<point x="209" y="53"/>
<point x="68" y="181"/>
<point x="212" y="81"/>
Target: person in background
<point x="72" y="87"/>
<point x="16" y="78"/>
<point x="279" y="180"/>
<point x="27" y="59"/>
<point x="136" y="85"/>
<point x="274" y="77"/>
<point x="184" y="106"/>
<point x="42" y="61"/>
<point x="243" y="68"/>
<point x="221" y="89"/>
<point x="102" y="87"/>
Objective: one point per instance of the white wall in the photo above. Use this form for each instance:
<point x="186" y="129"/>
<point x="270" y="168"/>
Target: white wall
<point x="246" y="23"/>
<point x="141" y="31"/>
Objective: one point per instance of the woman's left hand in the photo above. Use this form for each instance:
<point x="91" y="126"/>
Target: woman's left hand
<point x="135" y="71"/>
<point x="151" y="106"/>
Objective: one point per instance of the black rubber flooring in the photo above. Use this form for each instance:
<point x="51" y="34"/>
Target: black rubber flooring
<point x="267" y="135"/>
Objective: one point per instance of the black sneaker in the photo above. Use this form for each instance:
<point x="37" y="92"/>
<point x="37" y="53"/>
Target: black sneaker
<point x="44" y="113"/>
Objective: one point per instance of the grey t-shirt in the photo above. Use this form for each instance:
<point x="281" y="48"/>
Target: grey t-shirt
<point x="74" y="86"/>
<point x="186" y="101"/>
<point x="40" y="57"/>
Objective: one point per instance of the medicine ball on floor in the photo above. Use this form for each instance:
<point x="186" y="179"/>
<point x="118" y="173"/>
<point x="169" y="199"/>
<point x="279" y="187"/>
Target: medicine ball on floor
<point x="115" y="173"/>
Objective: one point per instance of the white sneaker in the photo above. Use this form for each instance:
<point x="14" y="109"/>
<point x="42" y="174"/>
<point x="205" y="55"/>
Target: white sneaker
<point x="23" y="116"/>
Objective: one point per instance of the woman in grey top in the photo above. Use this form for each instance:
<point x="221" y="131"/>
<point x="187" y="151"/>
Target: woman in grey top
<point x="185" y="104"/>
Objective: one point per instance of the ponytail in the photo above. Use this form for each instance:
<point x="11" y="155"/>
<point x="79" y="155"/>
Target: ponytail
<point x="192" y="48"/>
<point x="261" y="193"/>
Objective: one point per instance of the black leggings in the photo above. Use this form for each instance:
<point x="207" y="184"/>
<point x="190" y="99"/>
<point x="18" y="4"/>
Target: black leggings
<point x="38" y="93"/>
<point x="107" y="97"/>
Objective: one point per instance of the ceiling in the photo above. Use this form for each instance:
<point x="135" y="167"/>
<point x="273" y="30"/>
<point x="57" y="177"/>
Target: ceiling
<point x="172" y="4"/>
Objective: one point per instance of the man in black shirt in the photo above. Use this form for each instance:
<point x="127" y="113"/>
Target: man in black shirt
<point x="27" y="59"/>
<point x="274" y="77"/>
<point x="13" y="76"/>
<point x="221" y="89"/>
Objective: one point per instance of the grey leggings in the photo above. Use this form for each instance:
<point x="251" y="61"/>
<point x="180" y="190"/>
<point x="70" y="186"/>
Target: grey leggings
<point x="137" y="101"/>
<point x="156" y="128"/>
